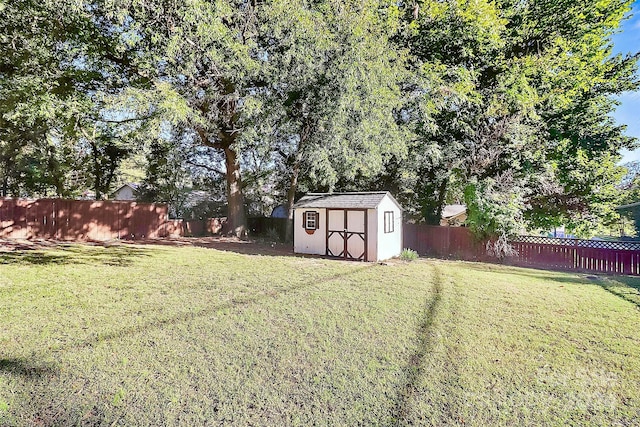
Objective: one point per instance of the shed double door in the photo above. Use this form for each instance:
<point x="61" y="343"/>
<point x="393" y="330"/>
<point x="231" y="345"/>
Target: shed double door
<point x="347" y="233"/>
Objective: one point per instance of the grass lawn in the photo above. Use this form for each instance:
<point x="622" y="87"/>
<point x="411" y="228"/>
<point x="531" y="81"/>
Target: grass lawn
<point x="156" y="335"/>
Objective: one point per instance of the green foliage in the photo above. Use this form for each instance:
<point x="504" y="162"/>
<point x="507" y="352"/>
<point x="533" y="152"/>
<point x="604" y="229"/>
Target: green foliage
<point x="494" y="208"/>
<point x="272" y="235"/>
<point x="630" y="195"/>
<point x="61" y="65"/>
<point x="408" y="255"/>
<point x="509" y="99"/>
<point x="165" y="174"/>
<point x="508" y="86"/>
<point x="334" y="92"/>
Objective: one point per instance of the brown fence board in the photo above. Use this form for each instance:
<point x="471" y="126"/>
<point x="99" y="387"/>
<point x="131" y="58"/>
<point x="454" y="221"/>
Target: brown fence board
<point x="80" y="219"/>
<point x="448" y="242"/>
<point x="594" y="256"/>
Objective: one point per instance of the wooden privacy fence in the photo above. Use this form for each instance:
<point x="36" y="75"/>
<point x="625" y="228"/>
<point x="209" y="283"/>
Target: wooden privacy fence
<point x="192" y="227"/>
<point x="595" y="256"/>
<point x="62" y="219"/>
<point x="444" y="242"/>
<point x="263" y="225"/>
<point x="598" y="256"/>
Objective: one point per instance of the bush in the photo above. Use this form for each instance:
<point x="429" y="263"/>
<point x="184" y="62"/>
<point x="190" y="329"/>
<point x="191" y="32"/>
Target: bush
<point x="408" y="255"/>
<point x="272" y="235"/>
<point x="501" y="248"/>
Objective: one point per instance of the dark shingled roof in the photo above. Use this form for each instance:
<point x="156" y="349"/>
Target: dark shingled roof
<point x="365" y="200"/>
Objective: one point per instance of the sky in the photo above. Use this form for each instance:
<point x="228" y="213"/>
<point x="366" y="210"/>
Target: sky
<point x="628" y="113"/>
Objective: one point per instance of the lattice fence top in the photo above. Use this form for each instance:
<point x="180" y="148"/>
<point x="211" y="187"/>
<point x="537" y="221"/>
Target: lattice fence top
<point x="596" y="244"/>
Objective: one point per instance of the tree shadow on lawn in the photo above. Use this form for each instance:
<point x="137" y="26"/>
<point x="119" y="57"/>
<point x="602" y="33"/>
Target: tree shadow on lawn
<point x="415" y="367"/>
<point x="185" y="317"/>
<point x="625" y="287"/>
<point x="230" y="244"/>
<point x="24" y="368"/>
<point x="35" y="405"/>
<point x="66" y="254"/>
<point x="52" y="412"/>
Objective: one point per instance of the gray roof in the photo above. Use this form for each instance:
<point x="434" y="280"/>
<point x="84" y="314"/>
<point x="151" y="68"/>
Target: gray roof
<point x="133" y="185"/>
<point x="450" y="211"/>
<point x="364" y="200"/>
<point x="631" y="205"/>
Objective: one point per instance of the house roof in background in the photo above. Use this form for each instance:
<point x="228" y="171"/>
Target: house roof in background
<point x="450" y="211"/>
<point x="360" y="200"/>
<point x="132" y="185"/>
<point x="631" y="205"/>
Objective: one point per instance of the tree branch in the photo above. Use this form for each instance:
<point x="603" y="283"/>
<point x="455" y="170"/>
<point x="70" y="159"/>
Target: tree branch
<point x="132" y="119"/>
<point x="207" y="167"/>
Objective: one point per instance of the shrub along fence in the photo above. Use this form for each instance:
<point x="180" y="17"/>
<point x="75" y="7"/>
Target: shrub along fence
<point x="263" y="225"/>
<point x="595" y="256"/>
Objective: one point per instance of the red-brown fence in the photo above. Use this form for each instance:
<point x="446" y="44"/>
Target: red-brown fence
<point x="193" y="227"/>
<point x="596" y="256"/>
<point x="81" y="219"/>
<point x="446" y="242"/>
<point x="61" y="219"/>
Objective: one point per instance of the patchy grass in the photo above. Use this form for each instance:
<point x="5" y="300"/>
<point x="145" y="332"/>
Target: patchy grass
<point x="149" y="335"/>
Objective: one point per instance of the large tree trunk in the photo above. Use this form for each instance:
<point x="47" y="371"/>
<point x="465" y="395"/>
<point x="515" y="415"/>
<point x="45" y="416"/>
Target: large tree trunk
<point x="227" y="134"/>
<point x="97" y="174"/>
<point x="433" y="196"/>
<point x="291" y="195"/>
<point x="305" y="132"/>
<point x="5" y="185"/>
<point x="236" y="218"/>
<point x="5" y="178"/>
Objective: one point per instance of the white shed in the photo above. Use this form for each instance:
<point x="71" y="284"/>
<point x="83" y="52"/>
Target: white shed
<point x="357" y="226"/>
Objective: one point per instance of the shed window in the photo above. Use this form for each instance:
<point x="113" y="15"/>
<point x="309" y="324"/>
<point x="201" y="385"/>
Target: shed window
<point x="388" y="221"/>
<point x="311" y="220"/>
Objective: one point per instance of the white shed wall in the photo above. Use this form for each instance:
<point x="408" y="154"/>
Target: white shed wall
<point x="305" y="243"/>
<point x="372" y="235"/>
<point x="389" y="244"/>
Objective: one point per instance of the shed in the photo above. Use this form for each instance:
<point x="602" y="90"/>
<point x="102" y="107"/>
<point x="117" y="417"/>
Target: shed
<point x="357" y="226"/>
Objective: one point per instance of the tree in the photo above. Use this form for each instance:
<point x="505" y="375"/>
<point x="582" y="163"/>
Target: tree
<point x="510" y="87"/>
<point x="629" y="196"/>
<point x="333" y="91"/>
<point x="203" y="58"/>
<point x="58" y="60"/>
<point x="32" y="89"/>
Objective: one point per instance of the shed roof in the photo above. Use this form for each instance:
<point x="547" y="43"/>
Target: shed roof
<point x="362" y="200"/>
